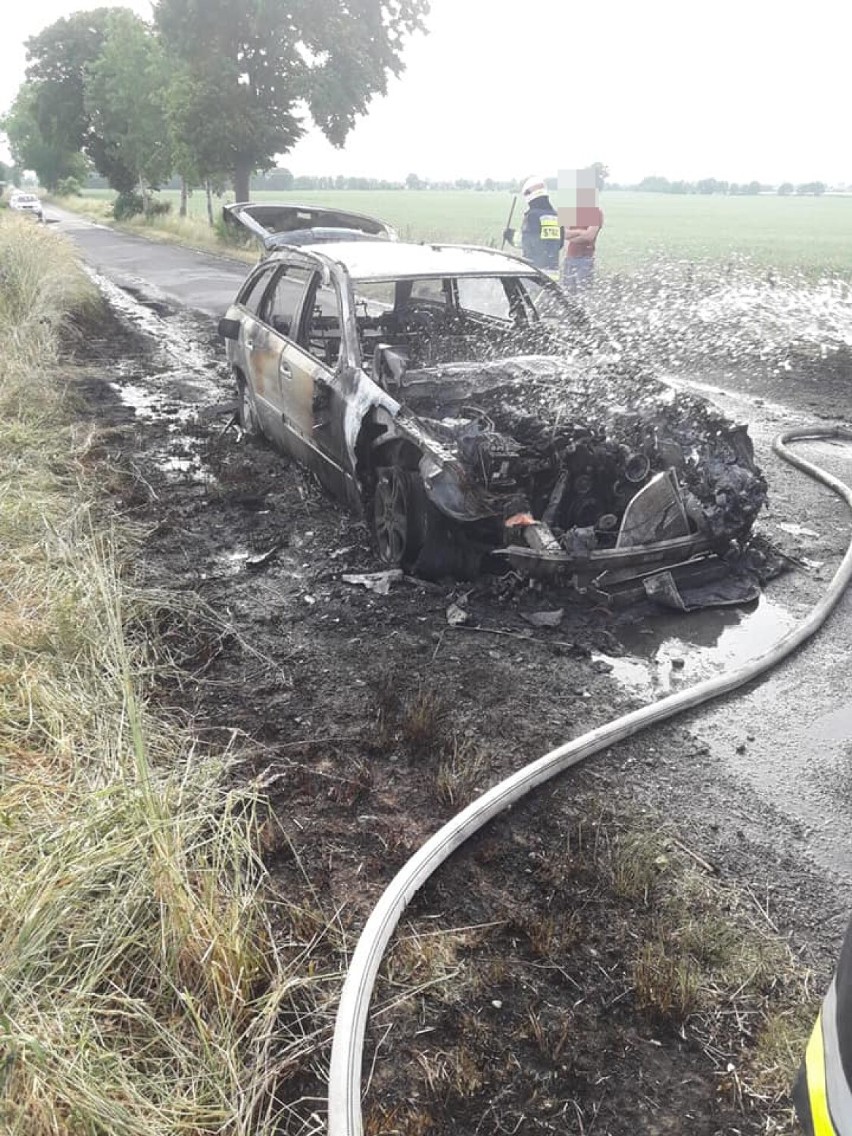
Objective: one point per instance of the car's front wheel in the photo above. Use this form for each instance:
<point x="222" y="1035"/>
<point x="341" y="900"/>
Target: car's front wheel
<point x="397" y="523"/>
<point x="246" y="409"/>
<point x="409" y="532"/>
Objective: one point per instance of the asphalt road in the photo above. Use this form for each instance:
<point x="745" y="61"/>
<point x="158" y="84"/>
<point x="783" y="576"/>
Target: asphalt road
<point x="785" y="740"/>
<point x="201" y="281"/>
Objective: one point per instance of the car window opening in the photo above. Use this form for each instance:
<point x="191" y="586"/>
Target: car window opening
<point x="321" y="330"/>
<point x="431" y="320"/>
<point x="282" y="303"/>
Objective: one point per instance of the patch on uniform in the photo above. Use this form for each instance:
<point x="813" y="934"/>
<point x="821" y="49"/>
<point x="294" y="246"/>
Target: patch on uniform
<point x="549" y="228"/>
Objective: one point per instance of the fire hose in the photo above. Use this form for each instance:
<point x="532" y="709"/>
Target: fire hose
<point x="344" y="1088"/>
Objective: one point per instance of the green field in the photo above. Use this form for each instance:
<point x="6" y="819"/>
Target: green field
<point x="811" y="234"/>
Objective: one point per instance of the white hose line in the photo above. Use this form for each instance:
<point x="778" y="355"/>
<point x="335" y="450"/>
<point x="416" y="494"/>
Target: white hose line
<point x="344" y="1087"/>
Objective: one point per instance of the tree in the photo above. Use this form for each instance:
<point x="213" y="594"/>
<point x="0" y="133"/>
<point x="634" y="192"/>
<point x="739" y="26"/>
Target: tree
<point x="601" y="173"/>
<point x="708" y="185"/>
<point x="195" y="110"/>
<point x="259" y="60"/>
<point x="124" y="100"/>
<point x="58" y="62"/>
<point x="51" y="161"/>
<point x="9" y="175"/>
<point x="786" y="188"/>
<point x="654" y="184"/>
<point x="279" y="178"/>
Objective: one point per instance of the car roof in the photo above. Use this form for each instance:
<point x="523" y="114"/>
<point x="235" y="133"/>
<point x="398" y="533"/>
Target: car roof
<point x="396" y="260"/>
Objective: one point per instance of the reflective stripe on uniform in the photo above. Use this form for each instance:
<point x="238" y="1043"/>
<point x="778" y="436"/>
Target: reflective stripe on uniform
<point x="823" y="1090"/>
<point x="549" y="228"/>
<point x="837" y="1091"/>
<point x="815" y="1067"/>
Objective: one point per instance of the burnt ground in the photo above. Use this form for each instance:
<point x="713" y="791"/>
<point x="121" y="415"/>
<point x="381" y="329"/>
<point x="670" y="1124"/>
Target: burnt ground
<point x="371" y="721"/>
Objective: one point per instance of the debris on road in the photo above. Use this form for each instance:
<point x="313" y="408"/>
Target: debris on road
<point x="793" y="529"/>
<point x="544" y="618"/>
<point x="378" y="582"/>
<point x="255" y="563"/>
<point x="456" y="616"/>
<point x="729" y="591"/>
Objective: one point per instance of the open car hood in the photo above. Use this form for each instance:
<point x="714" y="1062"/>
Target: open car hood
<point x="277" y="224"/>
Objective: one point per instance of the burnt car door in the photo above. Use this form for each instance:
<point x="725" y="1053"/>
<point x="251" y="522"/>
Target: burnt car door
<point x="266" y="339"/>
<point x="315" y="359"/>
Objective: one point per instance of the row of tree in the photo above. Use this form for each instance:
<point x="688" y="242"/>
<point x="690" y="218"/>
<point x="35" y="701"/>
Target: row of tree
<point x="713" y="185"/>
<point x="211" y="90"/>
<point x="284" y="179"/>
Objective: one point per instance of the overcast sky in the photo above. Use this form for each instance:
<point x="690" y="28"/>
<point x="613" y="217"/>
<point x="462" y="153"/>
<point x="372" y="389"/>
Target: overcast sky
<point x="734" y="89"/>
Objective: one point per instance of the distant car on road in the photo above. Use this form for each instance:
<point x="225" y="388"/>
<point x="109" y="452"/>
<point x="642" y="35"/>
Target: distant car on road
<point x="27" y="203"/>
<point x="434" y="388"/>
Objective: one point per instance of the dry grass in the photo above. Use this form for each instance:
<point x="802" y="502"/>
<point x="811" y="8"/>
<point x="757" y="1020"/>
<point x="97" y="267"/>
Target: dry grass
<point x="142" y="989"/>
<point x="422" y="722"/>
<point x="636" y="928"/>
<point x="39" y="285"/>
<point x="706" y="955"/>
<point x="462" y="772"/>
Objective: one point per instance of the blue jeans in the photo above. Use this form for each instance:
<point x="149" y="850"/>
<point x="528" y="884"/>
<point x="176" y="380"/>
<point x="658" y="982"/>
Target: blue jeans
<point x="577" y="272"/>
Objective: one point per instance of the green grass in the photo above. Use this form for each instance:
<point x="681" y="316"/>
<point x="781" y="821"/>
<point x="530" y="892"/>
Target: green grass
<point x="810" y="234"/>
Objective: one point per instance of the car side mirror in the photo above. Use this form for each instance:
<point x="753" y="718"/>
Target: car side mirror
<point x="229" y="328"/>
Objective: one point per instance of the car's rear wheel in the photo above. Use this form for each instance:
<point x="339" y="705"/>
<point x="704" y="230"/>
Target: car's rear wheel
<point x="246" y="409"/>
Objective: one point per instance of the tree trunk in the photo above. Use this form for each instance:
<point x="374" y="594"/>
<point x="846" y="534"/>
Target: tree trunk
<point x="147" y="196"/>
<point x="242" y="181"/>
<point x="184" y="193"/>
<point x="209" y="188"/>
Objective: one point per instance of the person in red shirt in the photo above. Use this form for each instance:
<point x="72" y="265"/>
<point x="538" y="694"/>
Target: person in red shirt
<point x="580" y="236"/>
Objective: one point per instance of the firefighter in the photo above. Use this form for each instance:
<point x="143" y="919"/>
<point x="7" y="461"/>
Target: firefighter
<point x="823" y="1091"/>
<point x="541" y="235"/>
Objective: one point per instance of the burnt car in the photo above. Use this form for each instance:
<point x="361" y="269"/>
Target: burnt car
<point x="441" y="390"/>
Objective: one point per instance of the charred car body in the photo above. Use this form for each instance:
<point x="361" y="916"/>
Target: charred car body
<point x="435" y="388"/>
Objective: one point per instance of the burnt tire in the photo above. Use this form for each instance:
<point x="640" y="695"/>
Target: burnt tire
<point x="247" y="410"/>
<point x="410" y="532"/>
<point x="396" y="516"/>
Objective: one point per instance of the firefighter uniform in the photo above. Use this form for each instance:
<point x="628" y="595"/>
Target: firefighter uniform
<point x="541" y="234"/>
<point x="823" y="1090"/>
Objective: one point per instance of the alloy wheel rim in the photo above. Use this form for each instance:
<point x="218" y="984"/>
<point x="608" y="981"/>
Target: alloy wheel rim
<point x="391" y="517"/>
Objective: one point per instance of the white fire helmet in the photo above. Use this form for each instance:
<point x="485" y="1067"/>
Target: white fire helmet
<point x="532" y="188"/>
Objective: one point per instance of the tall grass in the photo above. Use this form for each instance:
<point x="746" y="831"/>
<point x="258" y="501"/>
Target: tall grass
<point x="141" y="990"/>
